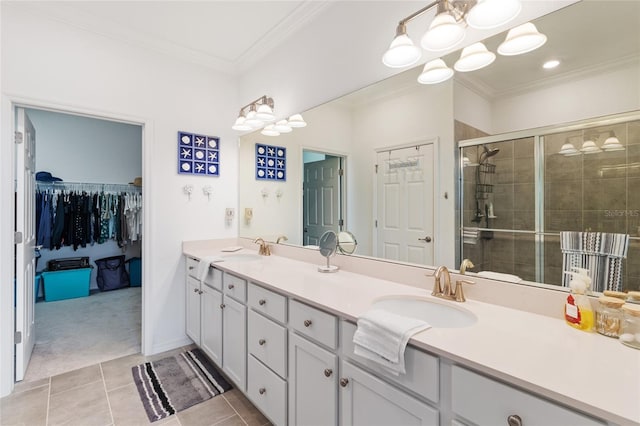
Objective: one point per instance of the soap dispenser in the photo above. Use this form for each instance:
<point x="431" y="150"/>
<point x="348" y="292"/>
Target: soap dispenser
<point x="578" y="312"/>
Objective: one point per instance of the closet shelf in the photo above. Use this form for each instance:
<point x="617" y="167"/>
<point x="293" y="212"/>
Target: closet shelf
<point x="89" y="187"/>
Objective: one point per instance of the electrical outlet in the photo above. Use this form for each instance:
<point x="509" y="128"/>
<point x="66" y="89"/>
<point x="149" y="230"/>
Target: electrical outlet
<point x="248" y="213"/>
<point x="229" y="213"/>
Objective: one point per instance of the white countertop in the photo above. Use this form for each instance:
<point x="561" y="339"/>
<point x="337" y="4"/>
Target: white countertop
<point x="586" y="371"/>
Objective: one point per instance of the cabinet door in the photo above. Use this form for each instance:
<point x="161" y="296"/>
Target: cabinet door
<point x="193" y="309"/>
<point x="234" y="341"/>
<point x="366" y="400"/>
<point x="313" y="392"/>
<point x="211" y="325"/>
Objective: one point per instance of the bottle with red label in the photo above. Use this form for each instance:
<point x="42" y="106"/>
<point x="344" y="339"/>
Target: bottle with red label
<point x="578" y="312"/>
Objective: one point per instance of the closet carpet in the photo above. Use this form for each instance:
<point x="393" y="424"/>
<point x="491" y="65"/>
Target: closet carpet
<point x="76" y="333"/>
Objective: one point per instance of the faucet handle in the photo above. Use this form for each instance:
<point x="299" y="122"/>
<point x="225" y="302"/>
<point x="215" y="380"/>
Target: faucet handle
<point x="459" y="294"/>
<point x="437" y="288"/>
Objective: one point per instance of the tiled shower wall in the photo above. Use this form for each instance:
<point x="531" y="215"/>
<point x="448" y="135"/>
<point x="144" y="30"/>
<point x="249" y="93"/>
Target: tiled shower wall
<point x="597" y="192"/>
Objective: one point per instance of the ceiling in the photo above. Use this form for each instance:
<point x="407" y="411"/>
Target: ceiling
<point x="228" y="36"/>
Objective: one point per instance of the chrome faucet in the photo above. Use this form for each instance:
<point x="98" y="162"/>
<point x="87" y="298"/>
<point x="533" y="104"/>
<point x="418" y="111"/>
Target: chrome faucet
<point x="466" y="263"/>
<point x="265" y="249"/>
<point x="445" y="292"/>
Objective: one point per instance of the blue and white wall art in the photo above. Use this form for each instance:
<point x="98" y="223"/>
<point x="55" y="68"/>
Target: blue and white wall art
<point x="271" y="162"/>
<point x="198" y="154"/>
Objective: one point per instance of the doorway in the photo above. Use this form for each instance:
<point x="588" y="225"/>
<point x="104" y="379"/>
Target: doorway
<point x="323" y="195"/>
<point x="405" y="203"/>
<point x="96" y="159"/>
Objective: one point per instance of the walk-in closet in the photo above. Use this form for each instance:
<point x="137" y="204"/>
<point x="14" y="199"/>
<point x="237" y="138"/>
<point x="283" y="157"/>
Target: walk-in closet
<point x="88" y="238"/>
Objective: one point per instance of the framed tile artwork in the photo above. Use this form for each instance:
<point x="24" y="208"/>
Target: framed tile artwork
<point x="271" y="162"/>
<point x="198" y="154"/>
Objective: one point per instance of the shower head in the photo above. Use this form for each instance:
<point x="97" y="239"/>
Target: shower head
<point x="488" y="152"/>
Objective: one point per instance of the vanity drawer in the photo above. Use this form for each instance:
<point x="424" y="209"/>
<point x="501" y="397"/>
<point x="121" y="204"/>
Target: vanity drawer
<point x="423" y="369"/>
<point x="267" y="302"/>
<point x="485" y="401"/>
<point x="314" y="323"/>
<point x="235" y="287"/>
<point x="213" y="278"/>
<point x="267" y="391"/>
<point x="267" y="341"/>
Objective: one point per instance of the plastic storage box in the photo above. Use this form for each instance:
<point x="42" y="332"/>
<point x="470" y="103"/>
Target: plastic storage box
<point x="135" y="272"/>
<point x="69" y="284"/>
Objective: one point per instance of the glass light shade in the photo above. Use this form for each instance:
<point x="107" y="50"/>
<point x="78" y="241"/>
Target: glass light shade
<point x="434" y="72"/>
<point x="444" y="33"/>
<point x="590" y="147"/>
<point x="474" y="57"/>
<point x="296" y="121"/>
<point x="240" y="125"/>
<point x="282" y="126"/>
<point x="270" y="131"/>
<point x="401" y="53"/>
<point x="253" y="121"/>
<point x="568" y="149"/>
<point x="265" y="113"/>
<point x="487" y="14"/>
<point x="612" y="143"/>
<point x="522" y="39"/>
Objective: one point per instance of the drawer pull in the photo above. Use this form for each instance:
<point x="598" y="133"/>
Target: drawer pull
<point x="200" y="291"/>
<point x="514" y="420"/>
<point x="261" y="342"/>
<point x="344" y="382"/>
<point x="191" y="268"/>
<point x="262" y="302"/>
<point x="262" y="391"/>
<point x="231" y="286"/>
<point x="328" y="372"/>
<point x="195" y="290"/>
<point x="307" y="323"/>
<point x="222" y="306"/>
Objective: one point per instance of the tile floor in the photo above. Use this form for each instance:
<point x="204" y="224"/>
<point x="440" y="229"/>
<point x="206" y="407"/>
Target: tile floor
<point x="104" y="394"/>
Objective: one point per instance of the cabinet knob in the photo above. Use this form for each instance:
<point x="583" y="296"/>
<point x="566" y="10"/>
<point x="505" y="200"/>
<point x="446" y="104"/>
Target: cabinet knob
<point x="262" y="302"/>
<point x="195" y="290"/>
<point x="262" y="391"/>
<point x="200" y="291"/>
<point x="222" y="306"/>
<point x="344" y="382"/>
<point x="231" y="286"/>
<point x="307" y="323"/>
<point x="514" y="420"/>
<point x="328" y="372"/>
<point x="261" y="342"/>
<point x="191" y="268"/>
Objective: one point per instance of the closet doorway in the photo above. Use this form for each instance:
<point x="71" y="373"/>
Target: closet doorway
<point x="88" y="170"/>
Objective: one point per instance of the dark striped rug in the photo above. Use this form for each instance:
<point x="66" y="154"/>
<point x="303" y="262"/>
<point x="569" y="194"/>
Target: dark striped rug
<point x="177" y="382"/>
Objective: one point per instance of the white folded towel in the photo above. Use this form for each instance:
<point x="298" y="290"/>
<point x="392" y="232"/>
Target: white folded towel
<point x="382" y="337"/>
<point x="499" y="276"/>
<point x="203" y="266"/>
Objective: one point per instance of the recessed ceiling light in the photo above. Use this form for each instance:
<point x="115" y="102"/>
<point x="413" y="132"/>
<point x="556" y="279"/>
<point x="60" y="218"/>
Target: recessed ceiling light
<point x="550" y="64"/>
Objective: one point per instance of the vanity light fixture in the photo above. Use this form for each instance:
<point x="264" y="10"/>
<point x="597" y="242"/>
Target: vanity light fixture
<point x="522" y="39"/>
<point x="474" y="57"/>
<point x="269" y="130"/>
<point x="283" y="126"/>
<point x="589" y="146"/>
<point x="434" y="72"/>
<point x="568" y="149"/>
<point x="612" y="143"/>
<point x="259" y="114"/>
<point x="448" y="28"/>
<point x="297" y="121"/>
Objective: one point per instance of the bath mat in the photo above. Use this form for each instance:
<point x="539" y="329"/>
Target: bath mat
<point x="177" y="382"/>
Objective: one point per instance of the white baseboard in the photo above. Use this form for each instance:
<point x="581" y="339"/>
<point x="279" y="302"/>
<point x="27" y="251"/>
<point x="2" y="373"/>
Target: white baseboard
<point x="167" y="346"/>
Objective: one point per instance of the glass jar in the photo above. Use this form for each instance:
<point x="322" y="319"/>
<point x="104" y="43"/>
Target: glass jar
<point x="609" y="316"/>
<point x="630" y="332"/>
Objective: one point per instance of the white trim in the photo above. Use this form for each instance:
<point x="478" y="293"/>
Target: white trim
<point x="167" y="346"/>
<point x="7" y="179"/>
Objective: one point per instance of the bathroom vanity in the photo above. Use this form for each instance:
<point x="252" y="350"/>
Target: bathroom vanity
<point x="282" y="332"/>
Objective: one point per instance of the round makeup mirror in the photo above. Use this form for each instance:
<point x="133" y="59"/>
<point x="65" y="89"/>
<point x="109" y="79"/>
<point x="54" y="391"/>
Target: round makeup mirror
<point x="328" y="245"/>
<point x="346" y="242"/>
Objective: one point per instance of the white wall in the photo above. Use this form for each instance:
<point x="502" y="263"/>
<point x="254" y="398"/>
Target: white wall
<point x="471" y="108"/>
<point x="45" y="62"/>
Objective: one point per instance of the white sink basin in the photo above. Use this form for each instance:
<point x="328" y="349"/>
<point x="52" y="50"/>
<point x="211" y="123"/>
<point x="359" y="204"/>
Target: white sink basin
<point x="438" y="314"/>
<point x="242" y="257"/>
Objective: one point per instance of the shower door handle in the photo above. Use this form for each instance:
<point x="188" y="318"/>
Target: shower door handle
<point x="426" y="239"/>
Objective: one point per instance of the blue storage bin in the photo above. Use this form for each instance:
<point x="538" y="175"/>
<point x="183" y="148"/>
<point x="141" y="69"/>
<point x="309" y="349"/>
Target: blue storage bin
<point x="36" y="285"/>
<point x="135" y="271"/>
<point x="69" y="284"/>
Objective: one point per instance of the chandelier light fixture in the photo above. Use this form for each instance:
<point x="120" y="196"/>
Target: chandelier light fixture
<point x="448" y="30"/>
<point x="259" y="115"/>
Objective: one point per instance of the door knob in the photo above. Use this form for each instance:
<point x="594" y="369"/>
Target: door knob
<point x="425" y="239"/>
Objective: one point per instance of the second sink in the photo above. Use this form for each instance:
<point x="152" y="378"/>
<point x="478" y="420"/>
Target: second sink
<point x="436" y="313"/>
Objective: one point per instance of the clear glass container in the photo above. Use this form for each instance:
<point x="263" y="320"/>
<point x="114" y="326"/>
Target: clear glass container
<point x="609" y="316"/>
<point x="630" y="333"/>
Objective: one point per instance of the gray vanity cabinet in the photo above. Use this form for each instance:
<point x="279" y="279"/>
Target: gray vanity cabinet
<point x="193" y="309"/>
<point x="211" y="328"/>
<point x="234" y="329"/>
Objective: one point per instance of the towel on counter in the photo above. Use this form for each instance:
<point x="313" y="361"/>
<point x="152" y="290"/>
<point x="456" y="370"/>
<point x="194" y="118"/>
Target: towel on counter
<point x="382" y="337"/>
<point x="203" y="266"/>
<point x="499" y="276"/>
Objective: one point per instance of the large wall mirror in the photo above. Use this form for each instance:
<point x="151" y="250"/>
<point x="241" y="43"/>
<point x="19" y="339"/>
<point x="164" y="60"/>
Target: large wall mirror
<point x="409" y="134"/>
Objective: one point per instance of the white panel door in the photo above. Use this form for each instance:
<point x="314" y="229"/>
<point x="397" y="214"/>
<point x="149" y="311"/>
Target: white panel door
<point x="25" y="247"/>
<point x="313" y="393"/>
<point x="193" y="309"/>
<point x="234" y="341"/>
<point x="368" y="401"/>
<point x="211" y="323"/>
<point x="321" y="199"/>
<point x="405" y="204"/>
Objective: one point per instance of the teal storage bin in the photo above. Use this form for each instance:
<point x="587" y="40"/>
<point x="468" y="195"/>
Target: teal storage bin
<point x="36" y="285"/>
<point x="69" y="284"/>
<point x="135" y="271"/>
